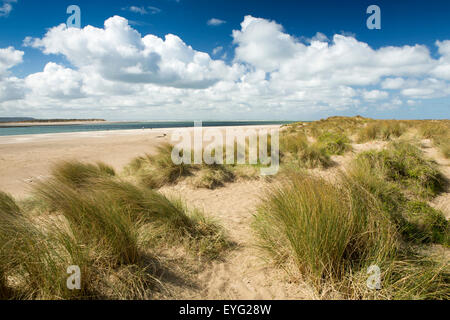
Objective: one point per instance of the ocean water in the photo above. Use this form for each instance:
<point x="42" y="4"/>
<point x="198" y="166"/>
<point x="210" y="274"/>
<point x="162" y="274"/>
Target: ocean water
<point x="25" y="130"/>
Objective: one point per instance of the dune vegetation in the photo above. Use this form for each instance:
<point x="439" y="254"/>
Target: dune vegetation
<point x="368" y="202"/>
<point x="111" y="228"/>
<point x="375" y="213"/>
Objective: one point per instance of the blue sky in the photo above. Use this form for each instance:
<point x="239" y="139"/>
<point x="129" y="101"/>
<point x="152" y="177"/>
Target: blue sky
<point x="79" y="82"/>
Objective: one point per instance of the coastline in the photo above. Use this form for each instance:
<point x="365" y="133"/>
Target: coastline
<point x="71" y="123"/>
<point x="57" y="123"/>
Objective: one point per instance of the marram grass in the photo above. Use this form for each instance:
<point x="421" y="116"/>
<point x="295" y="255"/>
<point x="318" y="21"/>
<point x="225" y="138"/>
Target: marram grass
<point x="109" y="227"/>
<point x="332" y="233"/>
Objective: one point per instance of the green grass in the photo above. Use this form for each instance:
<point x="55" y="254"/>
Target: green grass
<point x="405" y="164"/>
<point x="296" y="151"/>
<point x="332" y="233"/>
<point x="392" y="129"/>
<point x="214" y="176"/>
<point x="155" y="171"/>
<point x="115" y="209"/>
<point x="94" y="219"/>
<point x="425" y="224"/>
<point x="326" y="230"/>
<point x="76" y="174"/>
<point x="382" y="130"/>
<point x="444" y="146"/>
<point x="336" y="125"/>
<point x="36" y="257"/>
<point x="415" y="220"/>
<point x="109" y="227"/>
<point x="334" y="143"/>
<point x="314" y="156"/>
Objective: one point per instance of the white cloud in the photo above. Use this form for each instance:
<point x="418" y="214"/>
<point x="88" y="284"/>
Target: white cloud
<point x="11" y="88"/>
<point x="347" y="61"/>
<point x="119" y="53"/>
<point x="375" y="95"/>
<point x="215" y="22"/>
<point x="143" y="10"/>
<point x="9" y="57"/>
<point x="6" y="7"/>
<point x="217" y="50"/>
<point x="393" y="83"/>
<point x="320" y="37"/>
<point x="442" y="69"/>
<point x="263" y="44"/>
<point x="117" y="70"/>
<point x="426" y="88"/>
<point x="56" y="82"/>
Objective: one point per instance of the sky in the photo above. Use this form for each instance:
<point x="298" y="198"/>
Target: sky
<point x="224" y="60"/>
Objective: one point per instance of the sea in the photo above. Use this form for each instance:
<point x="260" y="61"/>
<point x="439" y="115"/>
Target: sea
<point x="41" y="129"/>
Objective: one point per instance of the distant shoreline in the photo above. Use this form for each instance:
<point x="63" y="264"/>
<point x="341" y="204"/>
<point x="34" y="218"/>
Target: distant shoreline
<point x="19" y="129"/>
<point x="52" y="122"/>
<point x="35" y="123"/>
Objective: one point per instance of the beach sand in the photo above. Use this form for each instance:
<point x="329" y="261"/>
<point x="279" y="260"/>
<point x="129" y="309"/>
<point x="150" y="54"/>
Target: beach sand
<point x="26" y="158"/>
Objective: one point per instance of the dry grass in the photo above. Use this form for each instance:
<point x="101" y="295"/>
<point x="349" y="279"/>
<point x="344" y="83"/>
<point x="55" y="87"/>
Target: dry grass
<point x="382" y="130"/>
<point x="405" y="164"/>
<point x="439" y="133"/>
<point x="109" y="227"/>
<point x="297" y="151"/>
<point x="333" y="233"/>
<point x="415" y="220"/>
<point x="327" y="230"/>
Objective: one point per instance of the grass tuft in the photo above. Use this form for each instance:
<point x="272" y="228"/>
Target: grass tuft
<point x="155" y="171"/>
<point x="108" y="227"/>
<point x="404" y="163"/>
<point x="335" y="143"/>
<point x="333" y="233"/>
<point x="326" y="230"/>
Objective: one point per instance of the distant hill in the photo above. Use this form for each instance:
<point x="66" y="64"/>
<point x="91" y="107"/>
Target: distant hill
<point x="28" y="119"/>
<point x="15" y="119"/>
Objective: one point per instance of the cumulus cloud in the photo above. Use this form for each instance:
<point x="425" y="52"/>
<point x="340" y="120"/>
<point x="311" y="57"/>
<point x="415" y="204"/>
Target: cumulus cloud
<point x="56" y="82"/>
<point x="9" y="57"/>
<point x="6" y="7"/>
<point x="11" y="88"/>
<point x="345" y="61"/>
<point x="393" y="83"/>
<point x="215" y="22"/>
<point x="117" y="69"/>
<point x="375" y="95"/>
<point x="319" y="37"/>
<point x="119" y="53"/>
<point x="442" y="69"/>
<point x="217" y="50"/>
<point x="263" y="44"/>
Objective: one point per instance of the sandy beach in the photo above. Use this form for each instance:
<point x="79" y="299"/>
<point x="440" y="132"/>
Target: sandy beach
<point x="25" y="158"/>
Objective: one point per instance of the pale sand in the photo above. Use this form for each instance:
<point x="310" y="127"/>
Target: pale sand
<point x="25" y="158"/>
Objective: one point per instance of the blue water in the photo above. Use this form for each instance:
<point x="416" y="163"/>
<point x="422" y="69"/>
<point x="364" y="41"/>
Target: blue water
<point x="24" y="130"/>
